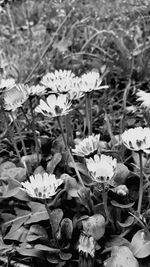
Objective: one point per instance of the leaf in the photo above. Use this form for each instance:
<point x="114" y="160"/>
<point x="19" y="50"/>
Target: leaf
<point x="37" y="232"/>
<point x="117" y="241"/>
<point x="71" y="185"/>
<point x="121" y="174"/>
<point x="19" y="235"/>
<point x="53" y="162"/>
<point x="140" y="244"/>
<point x="16" y="222"/>
<point x="84" y="195"/>
<point x="122" y="206"/>
<point x="81" y="168"/>
<point x="9" y="188"/>
<point x="38" y="213"/>
<point x="26" y="249"/>
<point x="46" y="248"/>
<point x="121" y="257"/>
<point x="66" y="229"/>
<point x="56" y="217"/>
<point x="129" y="221"/>
<point x="6" y="165"/>
<point x="65" y="256"/>
<point x="17" y="173"/>
<point x="94" y="226"/>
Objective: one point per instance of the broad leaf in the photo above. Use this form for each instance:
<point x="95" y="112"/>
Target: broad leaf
<point x="9" y="188"/>
<point x="129" y="221"/>
<point x="140" y="244"/>
<point x="121" y="257"/>
<point x="122" y="206"/>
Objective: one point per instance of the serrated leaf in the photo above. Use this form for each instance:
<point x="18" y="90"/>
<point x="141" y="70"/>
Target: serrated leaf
<point x="122" y="206"/>
<point x="140" y="244"/>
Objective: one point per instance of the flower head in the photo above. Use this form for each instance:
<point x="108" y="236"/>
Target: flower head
<point x="15" y="96"/>
<point x="36" y="90"/>
<point x="60" y="81"/>
<point x="87" y="146"/>
<point x="42" y="185"/>
<point x="91" y="81"/>
<point x="54" y="106"/>
<point x="101" y="168"/>
<point x="121" y="190"/>
<point x="7" y="83"/>
<point x="144" y="98"/>
<point x="137" y="139"/>
<point x="87" y="245"/>
<point x="76" y="91"/>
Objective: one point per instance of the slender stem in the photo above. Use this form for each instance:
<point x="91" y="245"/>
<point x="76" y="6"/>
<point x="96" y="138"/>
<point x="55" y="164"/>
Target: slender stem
<point x="88" y="112"/>
<point x="10" y="133"/>
<point x="34" y="131"/>
<point x="19" y="133"/>
<point x="68" y="129"/>
<point x="49" y="214"/>
<point x="104" y="197"/>
<point x="69" y="152"/>
<point x="25" y="116"/>
<point x="141" y="183"/>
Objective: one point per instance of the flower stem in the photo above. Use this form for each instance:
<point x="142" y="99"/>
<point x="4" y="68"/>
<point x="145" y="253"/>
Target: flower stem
<point x="69" y="152"/>
<point x="104" y="197"/>
<point x="34" y="131"/>
<point x="88" y="112"/>
<point x="141" y="183"/>
<point x="19" y="133"/>
<point x="10" y="133"/>
<point x="68" y="129"/>
<point x="49" y="214"/>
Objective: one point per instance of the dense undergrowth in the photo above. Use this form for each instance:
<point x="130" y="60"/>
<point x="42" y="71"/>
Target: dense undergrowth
<point x="74" y="180"/>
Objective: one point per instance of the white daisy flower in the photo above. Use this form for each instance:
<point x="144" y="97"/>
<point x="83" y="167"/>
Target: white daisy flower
<point x="61" y="81"/>
<point x="101" y="168"/>
<point x="87" y="245"/>
<point x="54" y="106"/>
<point x="75" y="91"/>
<point x="91" y="81"/>
<point x="7" y="83"/>
<point x="87" y="146"/>
<point x="36" y="90"/>
<point x="42" y="185"/>
<point x="15" y="96"/>
<point x="144" y="98"/>
<point x="137" y="139"/>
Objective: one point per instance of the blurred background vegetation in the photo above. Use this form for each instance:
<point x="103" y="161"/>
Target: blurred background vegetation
<point x="112" y="36"/>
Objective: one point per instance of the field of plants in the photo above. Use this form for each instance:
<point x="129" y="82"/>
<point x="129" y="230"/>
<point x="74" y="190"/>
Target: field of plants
<point x="75" y="133"/>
